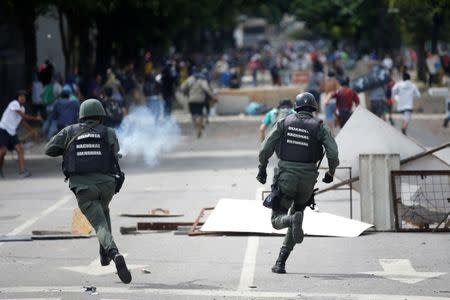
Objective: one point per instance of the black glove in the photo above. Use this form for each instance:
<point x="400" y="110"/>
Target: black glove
<point x="262" y="175"/>
<point x="328" y="178"/>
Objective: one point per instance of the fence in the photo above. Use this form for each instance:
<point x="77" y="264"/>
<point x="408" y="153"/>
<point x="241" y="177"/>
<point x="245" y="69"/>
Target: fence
<point x="421" y="200"/>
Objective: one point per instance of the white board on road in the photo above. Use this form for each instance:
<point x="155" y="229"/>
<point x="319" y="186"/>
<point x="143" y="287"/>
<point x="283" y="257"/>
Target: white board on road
<point x="250" y="216"/>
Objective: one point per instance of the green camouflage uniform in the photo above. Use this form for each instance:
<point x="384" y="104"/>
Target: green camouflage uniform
<point x="296" y="180"/>
<point x="93" y="191"/>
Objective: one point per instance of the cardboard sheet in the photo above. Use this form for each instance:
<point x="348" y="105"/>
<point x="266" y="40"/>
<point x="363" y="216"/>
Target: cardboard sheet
<point x="249" y="216"/>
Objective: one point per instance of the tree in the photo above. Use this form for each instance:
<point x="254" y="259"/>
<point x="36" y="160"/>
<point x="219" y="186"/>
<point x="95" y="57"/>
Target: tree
<point x="422" y="21"/>
<point x="364" y="24"/>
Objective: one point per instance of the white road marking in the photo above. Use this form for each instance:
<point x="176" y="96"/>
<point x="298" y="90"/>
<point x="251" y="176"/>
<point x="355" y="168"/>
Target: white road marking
<point x="95" y="269"/>
<point x="32" y="298"/>
<point x="44" y="213"/>
<point x="402" y="270"/>
<point x="213" y="293"/>
<point x="248" y="266"/>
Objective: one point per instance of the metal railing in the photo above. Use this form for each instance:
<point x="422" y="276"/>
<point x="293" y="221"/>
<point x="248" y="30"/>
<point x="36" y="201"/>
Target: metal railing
<point x="421" y="200"/>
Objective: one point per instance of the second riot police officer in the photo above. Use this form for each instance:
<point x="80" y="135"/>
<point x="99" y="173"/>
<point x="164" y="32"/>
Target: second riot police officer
<point x="90" y="162"/>
<point x="299" y="140"/>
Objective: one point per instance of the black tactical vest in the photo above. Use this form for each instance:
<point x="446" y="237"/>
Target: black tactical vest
<point x="300" y="140"/>
<point x="89" y="152"/>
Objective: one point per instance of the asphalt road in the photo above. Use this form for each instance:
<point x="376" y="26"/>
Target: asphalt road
<point x="197" y="174"/>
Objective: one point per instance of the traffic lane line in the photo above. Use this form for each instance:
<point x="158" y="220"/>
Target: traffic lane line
<point x="248" y="266"/>
<point x="212" y="293"/>
<point x="27" y="224"/>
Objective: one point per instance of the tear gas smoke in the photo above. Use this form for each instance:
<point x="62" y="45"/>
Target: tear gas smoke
<point x="141" y="136"/>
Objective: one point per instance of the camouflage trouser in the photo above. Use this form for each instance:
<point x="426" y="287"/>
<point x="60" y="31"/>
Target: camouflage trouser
<point x="295" y="193"/>
<point x="93" y="201"/>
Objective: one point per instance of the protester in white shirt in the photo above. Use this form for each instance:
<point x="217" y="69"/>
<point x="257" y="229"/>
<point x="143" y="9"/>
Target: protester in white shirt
<point x="12" y="117"/>
<point x="404" y="92"/>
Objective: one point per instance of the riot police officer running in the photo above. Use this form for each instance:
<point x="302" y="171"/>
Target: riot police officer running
<point x="299" y="140"/>
<point x="90" y="162"/>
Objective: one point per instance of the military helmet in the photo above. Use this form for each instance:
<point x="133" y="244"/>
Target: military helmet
<point x="305" y="101"/>
<point x="91" y="108"/>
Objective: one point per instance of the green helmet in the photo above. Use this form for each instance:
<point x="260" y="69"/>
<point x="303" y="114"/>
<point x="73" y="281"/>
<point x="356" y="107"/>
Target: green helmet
<point x="91" y="108"/>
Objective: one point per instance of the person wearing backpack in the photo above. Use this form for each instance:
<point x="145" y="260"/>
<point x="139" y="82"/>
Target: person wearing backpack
<point x="196" y="88"/>
<point x="90" y="154"/>
<point x="283" y="109"/>
<point x="152" y="91"/>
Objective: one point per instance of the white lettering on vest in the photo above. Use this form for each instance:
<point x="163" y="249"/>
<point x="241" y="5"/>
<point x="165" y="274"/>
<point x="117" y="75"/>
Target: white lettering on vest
<point x="88" y="135"/>
<point x="305" y="137"/>
<point x="298" y="129"/>
<point x="88" y="153"/>
<point x="297" y="143"/>
<point x="84" y="146"/>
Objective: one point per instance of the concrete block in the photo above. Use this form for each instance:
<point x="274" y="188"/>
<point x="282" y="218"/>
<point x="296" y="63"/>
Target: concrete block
<point x="232" y="104"/>
<point x="375" y="189"/>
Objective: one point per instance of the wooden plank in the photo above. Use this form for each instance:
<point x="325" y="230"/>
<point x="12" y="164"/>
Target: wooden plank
<point x="128" y="230"/>
<point x="161" y="225"/>
<point x="61" y="236"/>
<point x="129" y="215"/>
<point x="15" y="238"/>
<point x="49" y="232"/>
<point x="196" y="226"/>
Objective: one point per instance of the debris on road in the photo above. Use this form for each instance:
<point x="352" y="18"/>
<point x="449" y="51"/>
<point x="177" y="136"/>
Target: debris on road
<point x="90" y="289"/>
<point x="80" y="225"/>
<point x="146" y="271"/>
<point x="195" y="229"/>
<point x="154" y="213"/>
<point x="230" y="216"/>
<point x="68" y="236"/>
<point x="44" y="235"/>
<point x="155" y="226"/>
<point x="15" y="238"/>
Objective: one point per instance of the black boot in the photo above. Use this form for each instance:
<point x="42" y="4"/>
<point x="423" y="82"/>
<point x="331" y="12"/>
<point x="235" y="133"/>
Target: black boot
<point x="104" y="258"/>
<point x="122" y="270"/>
<point x="446" y="120"/>
<point x="279" y="266"/>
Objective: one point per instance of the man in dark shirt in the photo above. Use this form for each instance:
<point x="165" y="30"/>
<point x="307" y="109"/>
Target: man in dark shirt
<point x="65" y="111"/>
<point x="169" y="78"/>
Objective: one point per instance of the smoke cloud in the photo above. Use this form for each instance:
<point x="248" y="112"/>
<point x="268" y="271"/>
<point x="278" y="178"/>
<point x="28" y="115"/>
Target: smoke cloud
<point x="142" y="137"/>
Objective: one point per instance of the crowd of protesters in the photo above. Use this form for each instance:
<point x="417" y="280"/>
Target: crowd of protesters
<point x="55" y="100"/>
